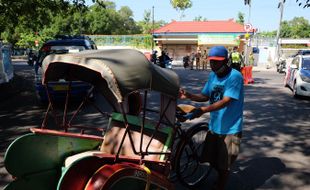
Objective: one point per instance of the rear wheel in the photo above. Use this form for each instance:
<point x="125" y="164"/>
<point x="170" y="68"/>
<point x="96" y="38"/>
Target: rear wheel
<point x="189" y="170"/>
<point x="295" y="90"/>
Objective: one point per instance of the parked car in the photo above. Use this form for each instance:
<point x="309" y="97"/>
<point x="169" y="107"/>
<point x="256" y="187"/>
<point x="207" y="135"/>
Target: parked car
<point x="298" y="76"/>
<point x="303" y="52"/>
<point x="60" y="45"/>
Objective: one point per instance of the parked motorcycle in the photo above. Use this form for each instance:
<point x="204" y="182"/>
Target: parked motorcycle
<point x="281" y="66"/>
<point x="31" y="58"/>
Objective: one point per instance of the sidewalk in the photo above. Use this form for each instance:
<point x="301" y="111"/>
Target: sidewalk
<point x="255" y="68"/>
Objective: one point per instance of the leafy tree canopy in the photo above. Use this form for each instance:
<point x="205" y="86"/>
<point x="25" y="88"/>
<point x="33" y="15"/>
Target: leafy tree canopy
<point x="240" y="18"/>
<point x="181" y="6"/>
<point x="298" y="27"/>
<point x="200" y="18"/>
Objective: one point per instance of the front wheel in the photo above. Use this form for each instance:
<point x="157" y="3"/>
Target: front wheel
<point x="188" y="168"/>
<point x="295" y="90"/>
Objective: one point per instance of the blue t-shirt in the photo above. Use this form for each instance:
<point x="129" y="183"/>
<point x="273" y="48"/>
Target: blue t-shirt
<point x="229" y="119"/>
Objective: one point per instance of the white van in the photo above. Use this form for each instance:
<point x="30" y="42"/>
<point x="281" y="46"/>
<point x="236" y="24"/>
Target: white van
<point x="6" y="67"/>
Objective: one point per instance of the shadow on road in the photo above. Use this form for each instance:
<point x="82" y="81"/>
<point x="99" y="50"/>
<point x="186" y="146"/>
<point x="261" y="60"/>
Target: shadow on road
<point x="253" y="173"/>
<point x="275" y="145"/>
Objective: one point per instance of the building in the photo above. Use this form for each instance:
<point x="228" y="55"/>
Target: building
<point x="180" y="38"/>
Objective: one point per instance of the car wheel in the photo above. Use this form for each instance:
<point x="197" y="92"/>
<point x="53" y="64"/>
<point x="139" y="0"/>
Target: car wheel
<point x="295" y="90"/>
<point x="285" y="82"/>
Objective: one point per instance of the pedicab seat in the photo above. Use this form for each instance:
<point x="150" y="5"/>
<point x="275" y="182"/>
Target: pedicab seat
<point x="115" y="132"/>
<point x="160" y="143"/>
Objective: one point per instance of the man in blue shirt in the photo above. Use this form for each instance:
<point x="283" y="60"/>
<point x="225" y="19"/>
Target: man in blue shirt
<point x="224" y="91"/>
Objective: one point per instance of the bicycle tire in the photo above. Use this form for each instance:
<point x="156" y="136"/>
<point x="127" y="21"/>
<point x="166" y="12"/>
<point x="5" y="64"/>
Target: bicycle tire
<point x="190" y="172"/>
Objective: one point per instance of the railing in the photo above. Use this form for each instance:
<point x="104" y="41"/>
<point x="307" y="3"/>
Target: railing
<point x="137" y="41"/>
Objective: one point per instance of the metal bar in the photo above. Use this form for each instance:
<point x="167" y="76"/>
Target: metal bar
<point x="143" y="122"/>
<point x="43" y="125"/>
<point x="51" y="103"/>
<point x="64" y="118"/>
<point x="157" y="125"/>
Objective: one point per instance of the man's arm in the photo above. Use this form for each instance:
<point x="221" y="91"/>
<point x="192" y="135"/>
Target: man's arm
<point x="213" y="107"/>
<point x="194" y="97"/>
<point x="217" y="105"/>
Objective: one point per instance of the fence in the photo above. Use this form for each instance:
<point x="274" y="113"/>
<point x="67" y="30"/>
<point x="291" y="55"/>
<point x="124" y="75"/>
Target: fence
<point x="136" y="41"/>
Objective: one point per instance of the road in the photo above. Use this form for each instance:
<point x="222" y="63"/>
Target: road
<point x="276" y="141"/>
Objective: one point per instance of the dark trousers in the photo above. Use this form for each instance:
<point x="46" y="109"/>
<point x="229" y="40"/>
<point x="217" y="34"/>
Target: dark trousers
<point x="236" y="66"/>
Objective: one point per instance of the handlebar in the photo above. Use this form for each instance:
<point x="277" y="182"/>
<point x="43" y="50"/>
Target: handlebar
<point x="184" y="117"/>
<point x="184" y="112"/>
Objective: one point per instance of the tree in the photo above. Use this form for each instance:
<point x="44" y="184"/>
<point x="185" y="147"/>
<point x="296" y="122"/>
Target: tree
<point x="128" y="25"/>
<point x="181" y="6"/>
<point x="298" y="27"/>
<point x="200" y="18"/>
<point x="30" y="16"/>
<point x="146" y="24"/>
<point x="240" y="19"/>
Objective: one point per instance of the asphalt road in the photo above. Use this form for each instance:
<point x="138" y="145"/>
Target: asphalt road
<point x="276" y="142"/>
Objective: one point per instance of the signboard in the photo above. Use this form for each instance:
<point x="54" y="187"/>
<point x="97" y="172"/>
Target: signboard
<point x="248" y="27"/>
<point x="218" y="39"/>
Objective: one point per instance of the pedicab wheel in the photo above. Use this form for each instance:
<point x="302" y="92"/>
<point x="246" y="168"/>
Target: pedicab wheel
<point x="189" y="170"/>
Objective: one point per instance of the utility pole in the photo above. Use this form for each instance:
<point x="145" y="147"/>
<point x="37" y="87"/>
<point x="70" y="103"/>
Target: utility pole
<point x="281" y="6"/>
<point x="247" y="41"/>
<point x="153" y="28"/>
<point x="249" y="19"/>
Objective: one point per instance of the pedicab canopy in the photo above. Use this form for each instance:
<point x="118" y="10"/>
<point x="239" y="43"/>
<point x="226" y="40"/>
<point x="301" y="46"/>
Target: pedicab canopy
<point x="119" y="71"/>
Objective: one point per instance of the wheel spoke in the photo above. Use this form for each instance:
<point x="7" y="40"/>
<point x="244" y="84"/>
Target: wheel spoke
<point x="189" y="170"/>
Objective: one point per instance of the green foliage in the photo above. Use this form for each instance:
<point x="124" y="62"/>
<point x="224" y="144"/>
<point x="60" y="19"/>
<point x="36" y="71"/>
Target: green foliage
<point x="200" y="18"/>
<point x="268" y="34"/>
<point x="298" y="27"/>
<point x="146" y="24"/>
<point x="294" y="46"/>
<point x="240" y="19"/>
<point x="20" y="20"/>
<point x="181" y="6"/>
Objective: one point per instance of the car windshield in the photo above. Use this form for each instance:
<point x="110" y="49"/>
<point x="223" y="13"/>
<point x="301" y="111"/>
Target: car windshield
<point x="59" y="50"/>
<point x="306" y="63"/>
<point x="68" y="49"/>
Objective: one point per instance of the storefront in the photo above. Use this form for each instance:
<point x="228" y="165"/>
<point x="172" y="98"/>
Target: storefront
<point x="181" y="38"/>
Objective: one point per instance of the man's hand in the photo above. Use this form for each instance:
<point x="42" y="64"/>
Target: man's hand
<point x="197" y="112"/>
<point x="183" y="94"/>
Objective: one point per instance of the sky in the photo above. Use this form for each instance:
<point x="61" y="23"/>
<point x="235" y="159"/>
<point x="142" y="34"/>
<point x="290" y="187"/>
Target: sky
<point x="264" y="14"/>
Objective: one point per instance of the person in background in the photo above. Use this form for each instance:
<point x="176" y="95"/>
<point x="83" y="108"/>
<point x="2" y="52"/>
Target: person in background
<point x="224" y="91"/>
<point x="154" y="57"/>
<point x="186" y="61"/>
<point x="192" y="60"/>
<point x="236" y="59"/>
<point x="204" y="57"/>
<point x="251" y="59"/>
<point x="162" y="59"/>
<point x="198" y="55"/>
